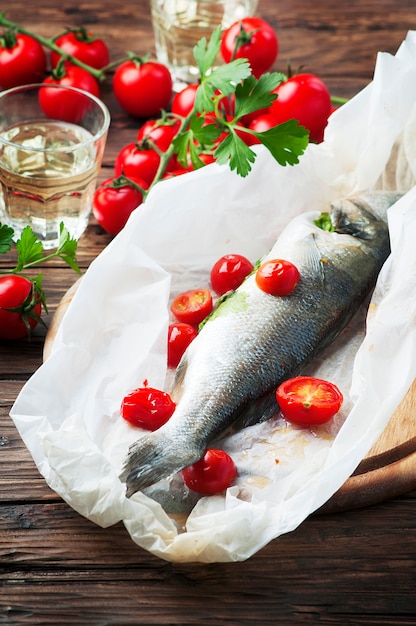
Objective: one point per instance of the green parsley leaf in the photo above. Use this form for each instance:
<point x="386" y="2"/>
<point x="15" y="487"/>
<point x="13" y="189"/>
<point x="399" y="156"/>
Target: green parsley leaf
<point x="29" y="249"/>
<point x="214" y="78"/>
<point x="253" y="95"/>
<point x="205" y="133"/>
<point x="181" y="146"/>
<point x="324" y="222"/>
<point x="234" y="151"/>
<point x="205" y="53"/>
<point x="286" y="142"/>
<point x="222" y="79"/>
<point x="6" y="238"/>
<point x="67" y="248"/>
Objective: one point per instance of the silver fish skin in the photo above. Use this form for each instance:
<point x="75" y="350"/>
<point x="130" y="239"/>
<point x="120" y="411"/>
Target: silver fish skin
<point x="228" y="375"/>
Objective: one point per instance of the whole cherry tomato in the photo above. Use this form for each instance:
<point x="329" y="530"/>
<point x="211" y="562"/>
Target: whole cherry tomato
<point x="229" y="272"/>
<point x="263" y="122"/>
<point x="305" y="400"/>
<point x="22" y="60"/>
<point x="63" y="104"/>
<point x="84" y="46"/>
<point x="135" y="161"/>
<point x="277" y="277"/>
<point x="147" y="407"/>
<point x="184" y="100"/>
<point x="212" y="474"/>
<point x="142" y="88"/>
<point x="305" y="98"/>
<point x="253" y="39"/>
<point x="20" y="306"/>
<point x="114" y="200"/>
<point x="180" y="335"/>
<point x="192" y="306"/>
<point x="73" y="76"/>
<point x="160" y="132"/>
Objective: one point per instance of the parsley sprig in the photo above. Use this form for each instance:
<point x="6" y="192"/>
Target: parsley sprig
<point x="30" y="253"/>
<point x="210" y="119"/>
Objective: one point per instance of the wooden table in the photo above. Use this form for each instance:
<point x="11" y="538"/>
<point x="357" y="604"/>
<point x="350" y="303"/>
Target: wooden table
<point x="56" y="567"/>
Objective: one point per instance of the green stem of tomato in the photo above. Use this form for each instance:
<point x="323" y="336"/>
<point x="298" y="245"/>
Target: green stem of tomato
<point x="49" y="43"/>
<point x="166" y="156"/>
<point x="338" y="100"/>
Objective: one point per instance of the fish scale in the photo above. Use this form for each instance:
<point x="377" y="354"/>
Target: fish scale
<point x="228" y="375"/>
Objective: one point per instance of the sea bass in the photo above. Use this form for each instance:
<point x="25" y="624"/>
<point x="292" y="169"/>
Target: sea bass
<point x="228" y="375"/>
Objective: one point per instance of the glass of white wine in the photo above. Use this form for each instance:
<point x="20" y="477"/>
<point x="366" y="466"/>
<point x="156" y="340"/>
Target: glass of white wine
<point x="52" y="140"/>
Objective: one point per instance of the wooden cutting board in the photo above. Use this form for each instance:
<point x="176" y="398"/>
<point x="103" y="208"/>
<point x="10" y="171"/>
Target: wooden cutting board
<point x="388" y="470"/>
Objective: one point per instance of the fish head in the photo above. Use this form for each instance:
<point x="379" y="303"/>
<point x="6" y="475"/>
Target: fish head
<point x="364" y="215"/>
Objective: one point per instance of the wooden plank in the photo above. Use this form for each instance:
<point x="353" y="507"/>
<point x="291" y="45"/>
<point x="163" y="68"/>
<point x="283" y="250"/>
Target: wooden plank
<point x="82" y="574"/>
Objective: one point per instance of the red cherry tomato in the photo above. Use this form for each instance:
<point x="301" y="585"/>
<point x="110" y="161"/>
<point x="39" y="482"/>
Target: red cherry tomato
<point x="180" y="335"/>
<point x="158" y="132"/>
<point x="20" y="307"/>
<point x="305" y="98"/>
<point x="229" y="272"/>
<point x="193" y="306"/>
<point x="147" y="408"/>
<point x="305" y="400"/>
<point x="277" y="277"/>
<point x="22" y="60"/>
<point x="63" y="104"/>
<point x="253" y="39"/>
<point x="142" y="89"/>
<point x="184" y="100"/>
<point x="84" y="46"/>
<point x="114" y="200"/>
<point x="263" y="122"/>
<point x="212" y="474"/>
<point x="135" y="161"/>
<point x="74" y="76"/>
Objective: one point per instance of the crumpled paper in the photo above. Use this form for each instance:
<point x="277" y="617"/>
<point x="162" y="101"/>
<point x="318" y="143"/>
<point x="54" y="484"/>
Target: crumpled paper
<point x="113" y="337"/>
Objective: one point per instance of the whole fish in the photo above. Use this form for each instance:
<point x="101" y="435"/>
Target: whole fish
<point x="253" y="341"/>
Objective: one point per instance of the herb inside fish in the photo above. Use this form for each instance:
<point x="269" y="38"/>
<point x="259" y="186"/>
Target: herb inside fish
<point x="228" y="375"/>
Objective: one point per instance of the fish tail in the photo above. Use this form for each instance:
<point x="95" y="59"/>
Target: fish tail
<point x="153" y="458"/>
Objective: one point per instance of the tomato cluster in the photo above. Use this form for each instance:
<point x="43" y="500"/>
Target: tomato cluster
<point x="143" y="88"/>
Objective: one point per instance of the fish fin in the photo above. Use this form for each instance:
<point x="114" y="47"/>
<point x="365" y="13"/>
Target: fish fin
<point x="256" y="411"/>
<point x="177" y="384"/>
<point x="152" y="458"/>
<point x="312" y="256"/>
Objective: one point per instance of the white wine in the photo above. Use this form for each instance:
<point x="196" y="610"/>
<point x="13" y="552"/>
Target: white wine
<point x="47" y="175"/>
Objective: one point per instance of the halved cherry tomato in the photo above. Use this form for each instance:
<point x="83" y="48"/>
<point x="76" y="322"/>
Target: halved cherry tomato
<point x="229" y="272"/>
<point x="305" y="400"/>
<point x="277" y="277"/>
<point x="192" y="306"/>
<point x="147" y="407"/>
<point x="211" y="474"/>
<point x="180" y="335"/>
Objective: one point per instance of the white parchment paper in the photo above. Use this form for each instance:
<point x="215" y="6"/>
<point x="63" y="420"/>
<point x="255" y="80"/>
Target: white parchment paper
<point x="113" y="337"/>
